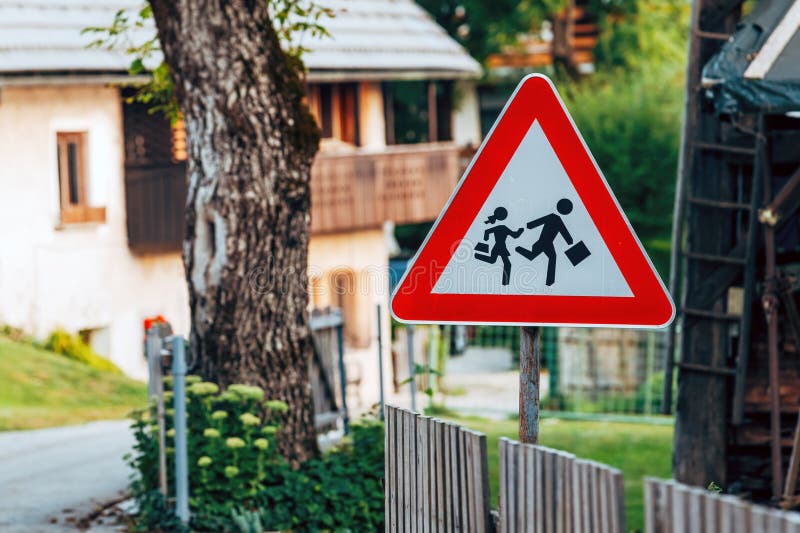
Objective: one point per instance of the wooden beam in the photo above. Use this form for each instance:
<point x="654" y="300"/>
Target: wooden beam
<point x="529" y="353"/>
<point x="433" y="116"/>
<point x="785" y="203"/>
<point x="789" y="488"/>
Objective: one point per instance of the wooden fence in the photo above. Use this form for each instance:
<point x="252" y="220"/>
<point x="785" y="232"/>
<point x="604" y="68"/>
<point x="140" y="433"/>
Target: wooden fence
<point x="437" y="478"/>
<point x="548" y="491"/>
<point x="671" y="507"/>
<point x="437" y="481"/>
<point x="328" y="384"/>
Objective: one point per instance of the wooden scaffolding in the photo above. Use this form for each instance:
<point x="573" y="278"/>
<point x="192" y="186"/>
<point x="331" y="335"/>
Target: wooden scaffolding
<point x="733" y="268"/>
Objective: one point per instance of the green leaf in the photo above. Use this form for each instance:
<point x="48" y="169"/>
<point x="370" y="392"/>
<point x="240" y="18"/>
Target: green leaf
<point x="137" y="66"/>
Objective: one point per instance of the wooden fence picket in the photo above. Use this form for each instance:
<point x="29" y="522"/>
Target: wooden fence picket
<point x="437" y="477"/>
<point x="672" y="507"/>
<point x="550" y="491"/>
<point x="391" y="471"/>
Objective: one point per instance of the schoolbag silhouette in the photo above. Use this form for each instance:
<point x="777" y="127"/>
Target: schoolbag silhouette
<point x="577" y="253"/>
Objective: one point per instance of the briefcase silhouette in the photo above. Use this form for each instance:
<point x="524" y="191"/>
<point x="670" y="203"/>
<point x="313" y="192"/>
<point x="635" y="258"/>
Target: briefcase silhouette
<point x="482" y="248"/>
<point x="577" y="253"/>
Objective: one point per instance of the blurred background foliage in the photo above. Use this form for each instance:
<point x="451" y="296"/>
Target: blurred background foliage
<point x="629" y="110"/>
<point x="632" y="32"/>
<point x="641" y="34"/>
<point x="485" y="27"/>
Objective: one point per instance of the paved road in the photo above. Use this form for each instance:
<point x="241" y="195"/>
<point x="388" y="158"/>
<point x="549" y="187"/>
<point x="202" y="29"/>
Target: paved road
<point x="51" y="477"/>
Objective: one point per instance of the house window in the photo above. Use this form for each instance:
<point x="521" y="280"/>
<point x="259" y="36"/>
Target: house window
<point x="417" y="111"/>
<point x="335" y="107"/>
<point x="75" y="207"/>
<point x="442" y="94"/>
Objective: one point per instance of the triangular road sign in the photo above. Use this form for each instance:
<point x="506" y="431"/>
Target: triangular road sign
<point x="533" y="234"/>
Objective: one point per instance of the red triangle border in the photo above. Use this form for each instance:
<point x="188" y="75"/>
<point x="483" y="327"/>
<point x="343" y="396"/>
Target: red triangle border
<point x="535" y="98"/>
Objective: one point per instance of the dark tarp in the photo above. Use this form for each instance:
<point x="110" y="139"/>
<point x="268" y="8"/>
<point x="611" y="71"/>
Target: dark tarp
<point x="779" y="91"/>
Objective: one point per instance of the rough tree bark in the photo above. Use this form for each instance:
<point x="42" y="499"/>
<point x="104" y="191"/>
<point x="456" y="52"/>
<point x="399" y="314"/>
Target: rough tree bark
<point x="251" y="144"/>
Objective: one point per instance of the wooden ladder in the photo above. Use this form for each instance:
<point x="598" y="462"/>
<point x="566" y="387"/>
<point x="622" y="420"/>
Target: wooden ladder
<point x="699" y="298"/>
<point x="700" y="197"/>
<point x="714" y="246"/>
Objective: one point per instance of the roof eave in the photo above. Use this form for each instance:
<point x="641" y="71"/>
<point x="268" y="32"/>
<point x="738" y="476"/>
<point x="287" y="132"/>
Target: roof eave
<point x="39" y="78"/>
<point x="334" y="75"/>
<point x="44" y="78"/>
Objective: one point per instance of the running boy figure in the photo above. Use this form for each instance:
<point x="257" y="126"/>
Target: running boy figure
<point x="499" y="250"/>
<point x="552" y="227"/>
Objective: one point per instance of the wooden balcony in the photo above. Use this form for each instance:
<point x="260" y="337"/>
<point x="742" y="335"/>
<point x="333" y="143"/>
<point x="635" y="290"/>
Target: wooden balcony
<point x="359" y="190"/>
<point x="362" y="189"/>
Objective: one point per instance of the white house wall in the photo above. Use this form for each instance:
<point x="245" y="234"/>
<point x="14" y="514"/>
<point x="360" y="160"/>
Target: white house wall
<point x="466" y="115"/>
<point x="80" y="276"/>
<point x="85" y="277"/>
<point x="365" y="255"/>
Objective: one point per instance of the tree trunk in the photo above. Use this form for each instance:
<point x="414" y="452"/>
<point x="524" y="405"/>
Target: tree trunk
<point x="251" y="144"/>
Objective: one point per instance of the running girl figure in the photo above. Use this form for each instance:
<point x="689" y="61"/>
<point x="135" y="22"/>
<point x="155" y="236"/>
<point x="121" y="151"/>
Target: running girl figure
<point x="499" y="250"/>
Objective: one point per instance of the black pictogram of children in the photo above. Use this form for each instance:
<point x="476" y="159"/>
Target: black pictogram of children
<point x="501" y="232"/>
<point x="552" y="226"/>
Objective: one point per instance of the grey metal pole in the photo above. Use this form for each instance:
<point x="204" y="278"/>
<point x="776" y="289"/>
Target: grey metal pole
<point x="155" y="387"/>
<point x="342" y="375"/>
<point x="380" y="357"/>
<point x="179" y="395"/>
<point x="413" y="382"/>
<point x="529" y="355"/>
<point x="152" y="350"/>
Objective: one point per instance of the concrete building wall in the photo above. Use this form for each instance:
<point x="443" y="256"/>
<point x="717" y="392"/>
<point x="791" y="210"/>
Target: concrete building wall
<point x="81" y="276"/>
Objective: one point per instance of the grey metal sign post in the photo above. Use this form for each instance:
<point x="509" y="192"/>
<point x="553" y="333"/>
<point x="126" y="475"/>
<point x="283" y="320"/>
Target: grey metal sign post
<point x="155" y="390"/>
<point x="179" y="396"/>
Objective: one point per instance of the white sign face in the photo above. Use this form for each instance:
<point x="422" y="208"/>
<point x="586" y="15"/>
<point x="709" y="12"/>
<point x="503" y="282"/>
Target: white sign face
<point x="529" y="190"/>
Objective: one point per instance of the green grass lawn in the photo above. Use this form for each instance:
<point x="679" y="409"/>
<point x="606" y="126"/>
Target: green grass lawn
<point x="638" y="450"/>
<point x="42" y="389"/>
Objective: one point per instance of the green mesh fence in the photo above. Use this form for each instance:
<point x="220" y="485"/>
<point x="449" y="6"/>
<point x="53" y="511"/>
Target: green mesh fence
<point x="588" y="370"/>
<point x="592" y="370"/>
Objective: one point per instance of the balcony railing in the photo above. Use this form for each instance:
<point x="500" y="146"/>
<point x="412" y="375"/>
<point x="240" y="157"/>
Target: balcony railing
<point x="359" y="190"/>
<point x="362" y="189"/>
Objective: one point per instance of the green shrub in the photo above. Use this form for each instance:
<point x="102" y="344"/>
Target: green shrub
<point x="239" y="482"/>
<point x="73" y="347"/>
<point x="15" y="334"/>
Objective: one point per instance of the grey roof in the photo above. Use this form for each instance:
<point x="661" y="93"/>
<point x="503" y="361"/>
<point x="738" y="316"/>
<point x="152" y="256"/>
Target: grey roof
<point x="380" y="38"/>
